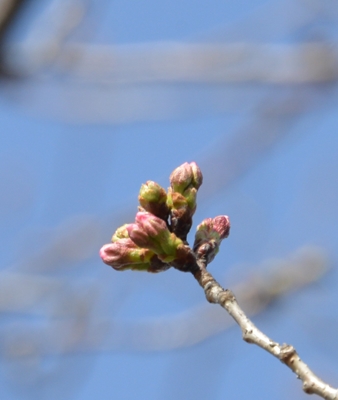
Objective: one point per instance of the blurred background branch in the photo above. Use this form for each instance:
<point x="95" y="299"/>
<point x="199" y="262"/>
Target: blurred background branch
<point x="68" y="311"/>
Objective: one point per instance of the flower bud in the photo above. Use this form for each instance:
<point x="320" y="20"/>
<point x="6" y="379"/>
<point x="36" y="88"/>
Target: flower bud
<point x="210" y="232"/>
<point x="124" y="252"/>
<point x="151" y="232"/>
<point x="204" y="230"/>
<point x="182" y="210"/>
<point x="217" y="228"/>
<point x="197" y="175"/>
<point x="185" y="181"/>
<point x="190" y="195"/>
<point x="153" y="198"/>
<point x="221" y="225"/>
<point x="120" y="233"/>
<point x="155" y="227"/>
<point x="181" y="178"/>
<point x="185" y="176"/>
<point x="142" y="239"/>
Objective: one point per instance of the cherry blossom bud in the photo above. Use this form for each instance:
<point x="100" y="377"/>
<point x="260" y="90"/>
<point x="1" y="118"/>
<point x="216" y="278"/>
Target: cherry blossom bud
<point x="154" y="227"/>
<point x="182" y="210"/>
<point x="190" y="195"/>
<point x="120" y="233"/>
<point x="124" y="252"/>
<point x="197" y="175"/>
<point x="217" y="228"/>
<point x="181" y="178"/>
<point x="151" y="232"/>
<point x="181" y="199"/>
<point x="185" y="176"/>
<point x="221" y="225"/>
<point x="140" y="237"/>
<point x="153" y="198"/>
<point x="209" y="235"/>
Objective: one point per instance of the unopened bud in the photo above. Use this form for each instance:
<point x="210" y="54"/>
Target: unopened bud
<point x="221" y="225"/>
<point x="185" y="176"/>
<point x="124" y="252"/>
<point x="151" y="232"/>
<point x="182" y="210"/>
<point x="190" y="195"/>
<point x="197" y="175"/>
<point x="181" y="178"/>
<point x="153" y="198"/>
<point x="185" y="181"/>
<point x="141" y="238"/>
<point x="120" y="233"/>
<point x="217" y="228"/>
<point x="154" y="227"/>
<point x="210" y="232"/>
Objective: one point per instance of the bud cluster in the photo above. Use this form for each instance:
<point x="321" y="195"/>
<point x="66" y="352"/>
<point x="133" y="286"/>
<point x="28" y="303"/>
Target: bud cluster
<point x="157" y="238"/>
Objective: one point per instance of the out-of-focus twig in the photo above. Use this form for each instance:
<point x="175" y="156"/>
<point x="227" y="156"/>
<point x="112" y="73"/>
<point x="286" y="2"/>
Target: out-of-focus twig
<point x="46" y="37"/>
<point x="9" y="9"/>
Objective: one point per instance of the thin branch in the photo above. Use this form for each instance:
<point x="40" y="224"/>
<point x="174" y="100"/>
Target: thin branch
<point x="251" y="334"/>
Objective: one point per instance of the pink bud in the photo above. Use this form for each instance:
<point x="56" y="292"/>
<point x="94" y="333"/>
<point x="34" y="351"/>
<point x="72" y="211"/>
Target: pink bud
<point x="221" y="225"/>
<point x="114" y="253"/>
<point x="197" y="175"/>
<point x="125" y="253"/>
<point x="181" y="177"/>
<point x="138" y="235"/>
<point x="141" y="238"/>
<point x="185" y="176"/>
<point x="209" y="236"/>
<point x="151" y="224"/>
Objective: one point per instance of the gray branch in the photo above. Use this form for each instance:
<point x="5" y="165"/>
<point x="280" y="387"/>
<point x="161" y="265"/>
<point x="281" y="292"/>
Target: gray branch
<point x="287" y="354"/>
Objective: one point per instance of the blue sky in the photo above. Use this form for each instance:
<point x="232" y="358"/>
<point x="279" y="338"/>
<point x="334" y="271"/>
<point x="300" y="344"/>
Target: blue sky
<point x="67" y="184"/>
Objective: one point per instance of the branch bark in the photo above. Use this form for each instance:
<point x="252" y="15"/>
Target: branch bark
<point x="287" y="354"/>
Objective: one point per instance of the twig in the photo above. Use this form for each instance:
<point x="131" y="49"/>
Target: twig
<point x="251" y="334"/>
